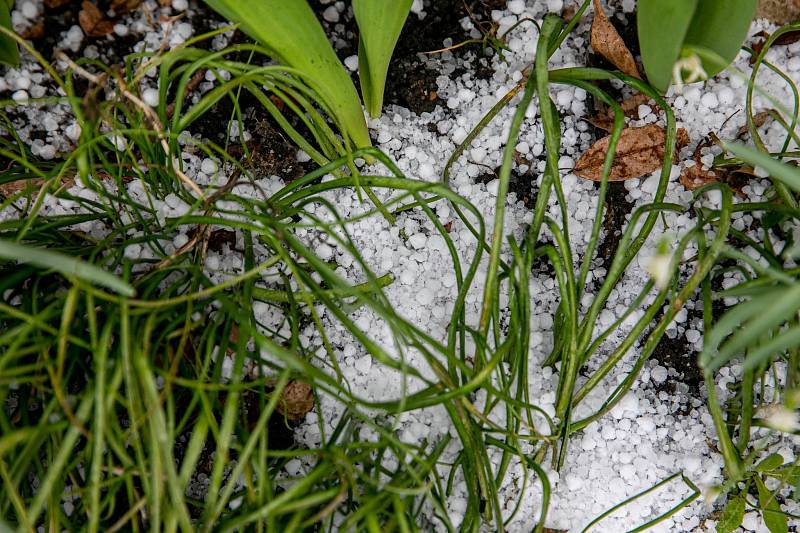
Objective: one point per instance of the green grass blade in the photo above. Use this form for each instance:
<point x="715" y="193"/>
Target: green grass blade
<point x="292" y="33"/>
<point x="768" y="317"/>
<point x="785" y="340"/>
<point x="786" y="174"/>
<point x="379" y="25"/>
<point x="64" y="264"/>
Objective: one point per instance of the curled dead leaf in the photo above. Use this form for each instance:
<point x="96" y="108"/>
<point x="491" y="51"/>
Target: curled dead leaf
<point x="630" y="107"/>
<point x="606" y="41"/>
<point x="93" y="22"/>
<point x="759" y="119"/>
<point x="786" y="39"/>
<point x="297" y="399"/>
<point x="640" y="151"/>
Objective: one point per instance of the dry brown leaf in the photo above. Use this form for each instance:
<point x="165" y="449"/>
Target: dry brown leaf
<point x="297" y="399"/>
<point x="695" y="177"/>
<point x="13" y="187"/>
<point x="790" y="37"/>
<point x="639" y="152"/>
<point x="54" y="4"/>
<point x="124" y="6"/>
<point x="759" y="119"/>
<point x="606" y="41"/>
<point x="34" y="32"/>
<point x="92" y="21"/>
<point x="630" y="108"/>
<point x="779" y="11"/>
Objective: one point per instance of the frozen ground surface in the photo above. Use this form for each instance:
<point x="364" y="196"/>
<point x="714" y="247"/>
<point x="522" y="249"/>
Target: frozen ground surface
<point x="660" y="428"/>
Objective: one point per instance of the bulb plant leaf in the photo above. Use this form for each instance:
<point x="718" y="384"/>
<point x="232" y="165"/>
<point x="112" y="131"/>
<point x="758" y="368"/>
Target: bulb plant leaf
<point x="720" y="26"/>
<point x="670" y="29"/>
<point x="9" y="53"/>
<point x="379" y="25"/>
<point x="292" y="34"/>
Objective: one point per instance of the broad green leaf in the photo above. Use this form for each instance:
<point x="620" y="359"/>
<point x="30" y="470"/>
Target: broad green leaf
<point x="720" y="26"/>
<point x="779" y="311"/>
<point x="771" y="462"/>
<point x="9" y="53"/>
<point x="712" y="29"/>
<point x="379" y="26"/>
<point x="64" y="264"/>
<point x="733" y="514"/>
<point x="732" y="319"/>
<point x="774" y="518"/>
<point x="293" y="35"/>
<point x="775" y="347"/>
<point x="662" y="26"/>
<point x="786" y="174"/>
<point x="790" y="475"/>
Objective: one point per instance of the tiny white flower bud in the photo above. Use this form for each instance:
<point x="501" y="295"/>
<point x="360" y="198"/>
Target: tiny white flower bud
<point x="780" y="418"/>
<point x="660" y="269"/>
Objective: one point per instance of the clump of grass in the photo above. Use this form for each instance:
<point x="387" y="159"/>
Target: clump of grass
<point x="119" y="412"/>
<point x="114" y="403"/>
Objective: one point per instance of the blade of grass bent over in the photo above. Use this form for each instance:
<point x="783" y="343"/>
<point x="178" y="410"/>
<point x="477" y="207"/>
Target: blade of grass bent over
<point x="69" y="266"/>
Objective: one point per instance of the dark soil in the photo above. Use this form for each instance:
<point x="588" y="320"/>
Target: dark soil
<point x="522" y="184"/>
<point x="678" y="355"/>
<point x="271" y="152"/>
<point x="411" y="83"/>
<point x="617" y="208"/>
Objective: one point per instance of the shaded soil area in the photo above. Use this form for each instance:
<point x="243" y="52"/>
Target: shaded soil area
<point x="617" y="209"/>
<point x="269" y="151"/>
<point x="411" y="83"/>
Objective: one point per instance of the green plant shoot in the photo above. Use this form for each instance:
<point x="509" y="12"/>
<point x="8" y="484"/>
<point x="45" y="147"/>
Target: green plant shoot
<point x="292" y="34"/>
<point x="699" y="37"/>
<point x="9" y="54"/>
<point x="379" y="24"/>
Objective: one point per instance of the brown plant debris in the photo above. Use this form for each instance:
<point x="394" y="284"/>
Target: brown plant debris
<point x="55" y="4"/>
<point x="630" y="108"/>
<point x="779" y="11"/>
<point x="762" y="37"/>
<point x="695" y="176"/>
<point x="124" y="6"/>
<point x="607" y="42"/>
<point x="640" y="151"/>
<point x="34" y="32"/>
<point x="297" y="399"/>
<point x="93" y="22"/>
